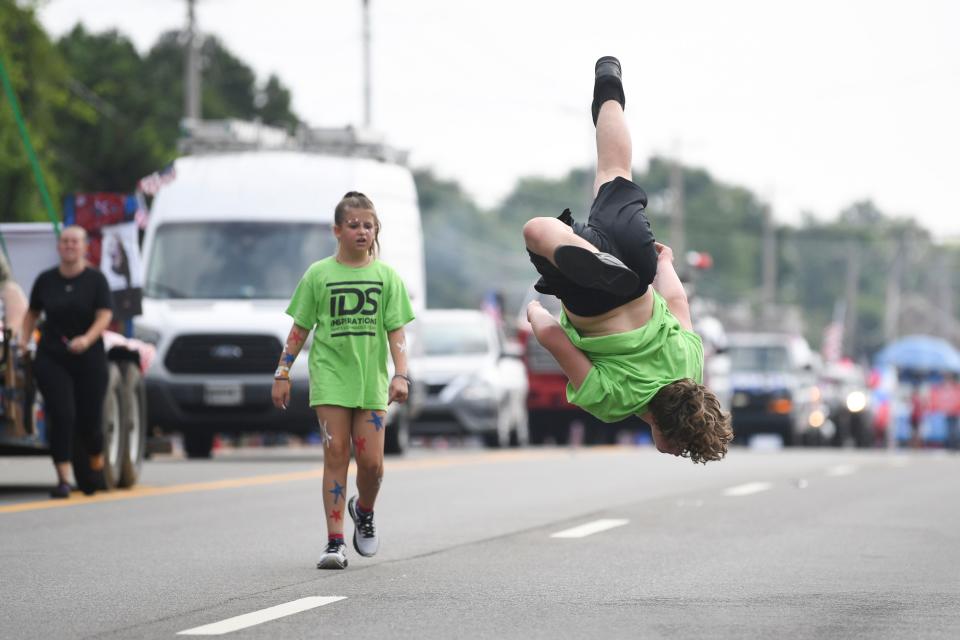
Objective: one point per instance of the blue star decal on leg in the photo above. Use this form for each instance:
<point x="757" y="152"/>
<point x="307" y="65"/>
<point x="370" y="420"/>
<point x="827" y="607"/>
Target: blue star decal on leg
<point x="376" y="419"/>
<point x="337" y="491"/>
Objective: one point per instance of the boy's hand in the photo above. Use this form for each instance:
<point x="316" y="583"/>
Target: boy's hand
<point x="663" y="251"/>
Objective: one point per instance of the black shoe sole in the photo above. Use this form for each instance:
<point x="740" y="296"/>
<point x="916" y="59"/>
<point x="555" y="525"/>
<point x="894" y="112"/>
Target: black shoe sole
<point x="589" y="270"/>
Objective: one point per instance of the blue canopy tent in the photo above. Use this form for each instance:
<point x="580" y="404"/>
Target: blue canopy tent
<point x="920" y="353"/>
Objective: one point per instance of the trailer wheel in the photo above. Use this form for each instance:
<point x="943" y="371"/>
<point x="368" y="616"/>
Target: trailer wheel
<point x="397" y="438"/>
<point x="133" y="412"/>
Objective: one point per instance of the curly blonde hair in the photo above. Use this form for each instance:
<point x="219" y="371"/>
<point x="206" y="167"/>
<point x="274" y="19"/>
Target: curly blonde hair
<point x="689" y="415"/>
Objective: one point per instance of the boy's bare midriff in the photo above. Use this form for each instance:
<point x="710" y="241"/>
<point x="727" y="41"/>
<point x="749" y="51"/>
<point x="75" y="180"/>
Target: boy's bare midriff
<point x="628" y="317"/>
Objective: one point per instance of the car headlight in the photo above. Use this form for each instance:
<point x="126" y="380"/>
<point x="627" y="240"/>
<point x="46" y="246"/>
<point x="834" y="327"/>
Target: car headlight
<point x="151" y="336"/>
<point x="477" y="392"/>
<point x="817" y="418"/>
<point x="856" y="401"/>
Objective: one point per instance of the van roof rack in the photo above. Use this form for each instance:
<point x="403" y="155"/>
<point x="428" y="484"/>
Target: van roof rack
<point x="200" y="137"/>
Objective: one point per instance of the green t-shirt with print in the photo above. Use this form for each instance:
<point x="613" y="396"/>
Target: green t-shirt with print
<point x="350" y="310"/>
<point x="629" y="368"/>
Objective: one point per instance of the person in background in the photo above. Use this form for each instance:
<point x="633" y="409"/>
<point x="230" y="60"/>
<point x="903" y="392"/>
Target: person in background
<point x="71" y="364"/>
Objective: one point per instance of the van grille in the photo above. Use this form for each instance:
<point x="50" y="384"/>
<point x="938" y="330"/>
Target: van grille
<point x="219" y="353"/>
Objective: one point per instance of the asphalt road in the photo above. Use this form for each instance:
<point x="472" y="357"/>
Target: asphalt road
<point x="794" y="544"/>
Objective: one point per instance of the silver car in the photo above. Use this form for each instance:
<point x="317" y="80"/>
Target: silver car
<point x="475" y="381"/>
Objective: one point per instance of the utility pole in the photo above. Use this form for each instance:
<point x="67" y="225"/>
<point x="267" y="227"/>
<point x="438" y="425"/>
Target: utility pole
<point x="891" y="320"/>
<point x="852" y="296"/>
<point x="769" y="297"/>
<point x="191" y="67"/>
<point x="367" y="119"/>
<point x="945" y="294"/>
<point x="677" y="226"/>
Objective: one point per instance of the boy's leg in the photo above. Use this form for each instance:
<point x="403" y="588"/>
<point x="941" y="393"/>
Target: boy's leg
<point x="614" y="146"/>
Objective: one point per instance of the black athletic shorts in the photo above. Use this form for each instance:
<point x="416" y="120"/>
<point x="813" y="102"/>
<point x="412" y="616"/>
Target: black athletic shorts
<point x="618" y="226"/>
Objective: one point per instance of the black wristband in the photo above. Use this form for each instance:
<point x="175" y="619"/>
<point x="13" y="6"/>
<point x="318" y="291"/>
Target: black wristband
<point x="404" y="376"/>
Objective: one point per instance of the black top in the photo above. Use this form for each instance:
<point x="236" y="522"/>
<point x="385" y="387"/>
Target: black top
<point x="70" y="305"/>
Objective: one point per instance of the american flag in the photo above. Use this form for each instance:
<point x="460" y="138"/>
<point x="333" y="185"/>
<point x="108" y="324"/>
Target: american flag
<point x="832" y="348"/>
<point x="152" y="183"/>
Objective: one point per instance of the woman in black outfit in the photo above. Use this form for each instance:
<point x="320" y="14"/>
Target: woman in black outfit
<point x="71" y="366"/>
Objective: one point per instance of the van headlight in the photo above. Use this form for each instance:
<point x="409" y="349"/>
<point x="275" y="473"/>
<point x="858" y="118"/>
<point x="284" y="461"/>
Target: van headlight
<point x="856" y="401"/>
<point x="146" y="334"/>
<point x="477" y="391"/>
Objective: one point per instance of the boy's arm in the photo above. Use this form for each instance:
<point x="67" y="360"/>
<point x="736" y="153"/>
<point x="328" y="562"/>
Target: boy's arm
<point x="667" y="283"/>
<point x="575" y="364"/>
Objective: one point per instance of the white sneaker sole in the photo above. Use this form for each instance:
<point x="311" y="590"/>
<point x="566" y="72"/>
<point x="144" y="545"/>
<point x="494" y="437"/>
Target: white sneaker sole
<point x="332" y="562"/>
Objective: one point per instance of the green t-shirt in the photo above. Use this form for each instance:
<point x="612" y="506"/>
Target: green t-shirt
<point x="351" y="310"/>
<point x="629" y="368"/>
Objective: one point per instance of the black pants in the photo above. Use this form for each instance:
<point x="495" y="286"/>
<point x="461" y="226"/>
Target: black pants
<point x="73" y="389"/>
<point x="617" y="225"/>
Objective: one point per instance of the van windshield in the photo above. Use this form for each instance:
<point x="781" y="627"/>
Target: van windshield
<point x="759" y="359"/>
<point x="230" y="260"/>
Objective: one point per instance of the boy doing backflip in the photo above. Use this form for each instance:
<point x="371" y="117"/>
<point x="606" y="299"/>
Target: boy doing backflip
<point x="624" y="338"/>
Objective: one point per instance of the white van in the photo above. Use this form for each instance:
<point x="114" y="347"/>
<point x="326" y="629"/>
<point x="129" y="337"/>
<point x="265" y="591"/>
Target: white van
<point x="225" y="246"/>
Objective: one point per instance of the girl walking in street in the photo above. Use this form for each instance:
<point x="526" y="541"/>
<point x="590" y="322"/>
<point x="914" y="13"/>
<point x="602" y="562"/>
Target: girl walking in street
<point x="357" y="307"/>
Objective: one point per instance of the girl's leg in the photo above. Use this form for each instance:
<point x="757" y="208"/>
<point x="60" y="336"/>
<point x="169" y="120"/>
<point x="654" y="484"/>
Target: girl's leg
<point x="369" y="428"/>
<point x="335" y="429"/>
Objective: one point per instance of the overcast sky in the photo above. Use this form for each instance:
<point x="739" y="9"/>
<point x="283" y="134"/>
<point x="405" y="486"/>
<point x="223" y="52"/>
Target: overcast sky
<point x="812" y="104"/>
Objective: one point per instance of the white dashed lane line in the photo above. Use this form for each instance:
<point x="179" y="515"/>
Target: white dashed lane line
<point x="590" y="528"/>
<point x="747" y="489"/>
<point x="258" y="617"/>
<point x="841" y="470"/>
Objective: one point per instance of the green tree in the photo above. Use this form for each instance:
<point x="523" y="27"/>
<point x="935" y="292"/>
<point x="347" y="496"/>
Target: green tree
<point x="274" y="105"/>
<point x="37" y="73"/>
<point x="112" y="144"/>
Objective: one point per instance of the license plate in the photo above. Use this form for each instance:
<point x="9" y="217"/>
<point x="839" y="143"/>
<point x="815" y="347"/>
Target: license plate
<point x="223" y="394"/>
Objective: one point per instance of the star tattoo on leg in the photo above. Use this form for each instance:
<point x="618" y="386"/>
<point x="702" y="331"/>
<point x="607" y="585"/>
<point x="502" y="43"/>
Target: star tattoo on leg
<point x="359" y="444"/>
<point x="337" y="491"/>
<point x="325" y="434"/>
<point x="336" y="515"/>
<point x="376" y="419"/>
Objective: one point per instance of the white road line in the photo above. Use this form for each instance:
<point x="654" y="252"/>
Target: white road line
<point x="590" y="528"/>
<point x="258" y="617"/>
<point x="841" y="470"/>
<point x="747" y="489"/>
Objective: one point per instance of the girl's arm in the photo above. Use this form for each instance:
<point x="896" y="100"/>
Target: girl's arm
<point x="400" y="383"/>
<point x="667" y="283"/>
<point x="29" y="324"/>
<point x="575" y="363"/>
<point x="281" y="379"/>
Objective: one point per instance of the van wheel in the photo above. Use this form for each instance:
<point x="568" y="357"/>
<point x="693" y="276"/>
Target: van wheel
<point x="133" y="420"/>
<point x="198" y="444"/>
<point x="397" y="438"/>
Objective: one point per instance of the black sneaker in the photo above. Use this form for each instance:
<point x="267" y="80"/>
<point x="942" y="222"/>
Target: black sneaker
<point x="596" y="270"/>
<point x="96" y="481"/>
<point x="607" y="85"/>
<point x="62" y="490"/>
<point x="334" y="556"/>
<point x="365" y="538"/>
